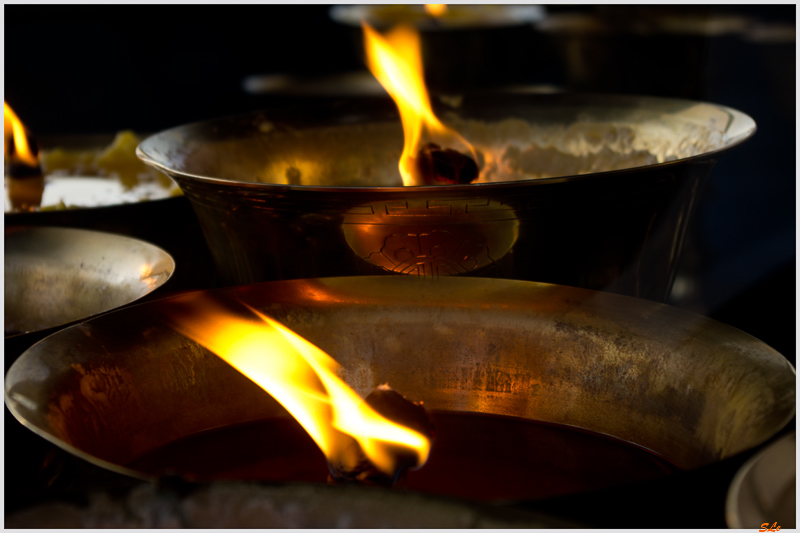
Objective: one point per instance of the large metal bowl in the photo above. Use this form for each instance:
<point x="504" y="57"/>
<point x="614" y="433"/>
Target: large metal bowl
<point x="588" y="191"/>
<point x="691" y="389"/>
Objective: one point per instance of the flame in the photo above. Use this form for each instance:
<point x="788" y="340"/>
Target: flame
<point x="396" y="62"/>
<point x="13" y="129"/>
<point x="436" y="10"/>
<point x="303" y="379"/>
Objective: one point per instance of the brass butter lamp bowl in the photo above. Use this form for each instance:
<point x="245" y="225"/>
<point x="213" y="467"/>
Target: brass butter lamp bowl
<point x="587" y="191"/>
<point x="690" y="389"/>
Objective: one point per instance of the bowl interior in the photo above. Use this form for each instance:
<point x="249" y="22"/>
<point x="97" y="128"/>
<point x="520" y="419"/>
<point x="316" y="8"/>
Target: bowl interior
<point x="688" y="388"/>
<point x="766" y="486"/>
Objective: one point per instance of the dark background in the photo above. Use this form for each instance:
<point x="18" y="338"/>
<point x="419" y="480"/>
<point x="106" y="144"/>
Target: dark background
<point x="99" y="69"/>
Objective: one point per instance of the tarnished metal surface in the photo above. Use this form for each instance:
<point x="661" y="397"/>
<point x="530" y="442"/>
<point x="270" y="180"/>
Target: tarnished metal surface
<point x="584" y="191"/>
<point x="54" y="276"/>
<point x="684" y="386"/>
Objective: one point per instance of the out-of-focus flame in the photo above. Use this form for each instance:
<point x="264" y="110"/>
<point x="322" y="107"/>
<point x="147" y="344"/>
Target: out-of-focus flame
<point x="302" y="378"/>
<point x="436" y="10"/>
<point x="14" y="131"/>
<point x="396" y="61"/>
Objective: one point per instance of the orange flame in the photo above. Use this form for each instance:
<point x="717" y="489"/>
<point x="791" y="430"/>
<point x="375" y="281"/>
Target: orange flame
<point x="436" y="10"/>
<point x="13" y="129"/>
<point x="302" y="378"/>
<point x="396" y="62"/>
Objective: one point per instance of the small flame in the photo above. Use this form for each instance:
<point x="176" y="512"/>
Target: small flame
<point x="14" y="131"/>
<point x="302" y="378"/>
<point x="436" y="10"/>
<point x="396" y="61"/>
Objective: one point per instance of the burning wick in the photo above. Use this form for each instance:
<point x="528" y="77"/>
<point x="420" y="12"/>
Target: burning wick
<point x="25" y="178"/>
<point x="393" y="406"/>
<point x="449" y="166"/>
<point x="360" y="444"/>
<point x="396" y="62"/>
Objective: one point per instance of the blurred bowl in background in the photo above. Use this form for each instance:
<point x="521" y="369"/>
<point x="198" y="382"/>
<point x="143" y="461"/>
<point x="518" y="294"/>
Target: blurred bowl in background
<point x="639" y="50"/>
<point x="454" y="16"/>
<point x="467" y="47"/>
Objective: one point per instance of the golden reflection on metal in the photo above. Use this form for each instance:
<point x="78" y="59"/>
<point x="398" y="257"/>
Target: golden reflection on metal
<point x="433" y="249"/>
<point x="149" y="277"/>
<point x="691" y="389"/>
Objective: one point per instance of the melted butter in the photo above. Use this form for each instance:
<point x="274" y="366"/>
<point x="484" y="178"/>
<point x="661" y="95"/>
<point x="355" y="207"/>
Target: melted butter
<point x="65" y="192"/>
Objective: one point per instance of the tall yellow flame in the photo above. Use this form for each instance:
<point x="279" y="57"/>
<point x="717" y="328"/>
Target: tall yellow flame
<point x="13" y="129"/>
<point x="396" y="62"/>
<point x="303" y="379"/>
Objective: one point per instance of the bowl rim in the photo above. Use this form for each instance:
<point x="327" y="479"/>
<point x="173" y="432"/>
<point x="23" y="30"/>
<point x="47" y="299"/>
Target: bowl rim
<point x="144" y="150"/>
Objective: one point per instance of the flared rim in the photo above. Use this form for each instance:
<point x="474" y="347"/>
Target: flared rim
<point x="740" y="126"/>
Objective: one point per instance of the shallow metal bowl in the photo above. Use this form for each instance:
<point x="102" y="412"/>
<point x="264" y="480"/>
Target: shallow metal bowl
<point x="686" y="387"/>
<point x="55" y="276"/>
<point x="588" y="191"/>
